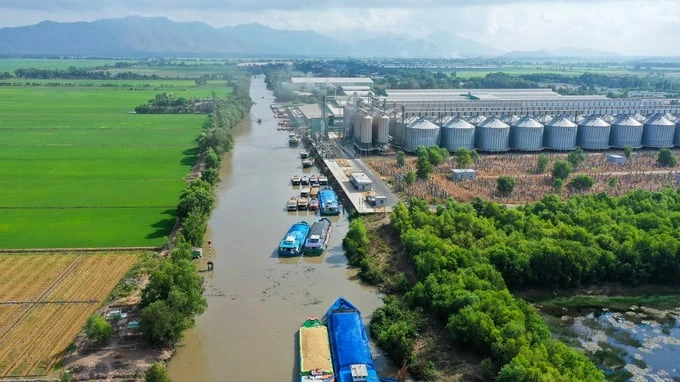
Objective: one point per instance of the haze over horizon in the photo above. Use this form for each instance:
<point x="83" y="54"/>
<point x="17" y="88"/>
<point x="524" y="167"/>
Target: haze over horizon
<point x="629" y="28"/>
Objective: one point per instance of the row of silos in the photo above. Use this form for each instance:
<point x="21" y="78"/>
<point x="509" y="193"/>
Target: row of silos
<point x="529" y="134"/>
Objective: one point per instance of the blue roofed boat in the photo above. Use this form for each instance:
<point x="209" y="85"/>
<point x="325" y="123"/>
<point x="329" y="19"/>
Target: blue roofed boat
<point x="292" y="242"/>
<point x="318" y="238"/>
<point x="328" y="202"/>
<point x="350" y="347"/>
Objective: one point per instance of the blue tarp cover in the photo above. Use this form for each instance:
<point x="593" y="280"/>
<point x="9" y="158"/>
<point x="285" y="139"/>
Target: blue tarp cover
<point x="349" y="344"/>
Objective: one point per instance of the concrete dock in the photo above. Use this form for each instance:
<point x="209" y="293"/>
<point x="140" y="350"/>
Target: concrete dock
<point x="340" y="168"/>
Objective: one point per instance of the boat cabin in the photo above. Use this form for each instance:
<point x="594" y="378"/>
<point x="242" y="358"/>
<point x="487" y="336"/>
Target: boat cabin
<point x="359" y="372"/>
<point x="323" y="180"/>
<point x="304" y="192"/>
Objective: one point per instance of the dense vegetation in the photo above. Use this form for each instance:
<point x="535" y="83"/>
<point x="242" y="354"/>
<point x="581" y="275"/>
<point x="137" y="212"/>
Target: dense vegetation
<point x="466" y="256"/>
<point x="165" y="103"/>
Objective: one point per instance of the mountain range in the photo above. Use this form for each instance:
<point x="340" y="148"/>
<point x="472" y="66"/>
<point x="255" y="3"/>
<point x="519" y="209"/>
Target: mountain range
<point x="137" y="36"/>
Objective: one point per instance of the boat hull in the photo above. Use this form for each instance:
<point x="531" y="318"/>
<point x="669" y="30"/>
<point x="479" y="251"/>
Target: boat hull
<point x="294" y="240"/>
<point x="318" y="238"/>
<point x="315" y="360"/>
<point x="328" y="202"/>
<point x="350" y="346"/>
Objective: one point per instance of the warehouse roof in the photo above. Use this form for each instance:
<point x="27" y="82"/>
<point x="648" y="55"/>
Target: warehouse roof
<point x="479" y="94"/>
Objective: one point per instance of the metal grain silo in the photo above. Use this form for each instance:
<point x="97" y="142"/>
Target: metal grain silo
<point x="457" y="133"/>
<point x="658" y="132"/>
<point x="640" y="118"/>
<point x="676" y="136"/>
<point x="626" y="131"/>
<point x="560" y="134"/>
<point x="579" y="118"/>
<point x="383" y="134"/>
<point x="421" y="133"/>
<point x="356" y="126"/>
<point x="348" y="119"/>
<point x="526" y="135"/>
<point x="366" y="138"/>
<point x="593" y="134"/>
<point x="609" y="118"/>
<point x="492" y="135"/>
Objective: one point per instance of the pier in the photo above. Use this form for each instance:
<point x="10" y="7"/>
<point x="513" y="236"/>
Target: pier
<point x="339" y="169"/>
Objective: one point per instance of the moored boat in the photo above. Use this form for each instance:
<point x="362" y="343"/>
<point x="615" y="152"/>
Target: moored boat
<point x="313" y="204"/>
<point x="350" y="348"/>
<point x="304" y="154"/>
<point x="323" y="180"/>
<point x="291" y="205"/>
<point x="328" y="202"/>
<point x="295" y="180"/>
<point x="304" y="192"/>
<point x="307" y="162"/>
<point x="319" y="235"/>
<point x="292" y="242"/>
<point x="304" y="180"/>
<point x="302" y="204"/>
<point x="293" y="140"/>
<point x="316" y="364"/>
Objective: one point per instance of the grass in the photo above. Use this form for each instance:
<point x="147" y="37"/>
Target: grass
<point x="78" y="170"/>
<point x="12" y="64"/>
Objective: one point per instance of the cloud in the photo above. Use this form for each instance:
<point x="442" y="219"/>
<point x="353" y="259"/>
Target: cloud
<point x="630" y="27"/>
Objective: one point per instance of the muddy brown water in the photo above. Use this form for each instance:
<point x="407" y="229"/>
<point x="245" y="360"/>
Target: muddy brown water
<point x="257" y="301"/>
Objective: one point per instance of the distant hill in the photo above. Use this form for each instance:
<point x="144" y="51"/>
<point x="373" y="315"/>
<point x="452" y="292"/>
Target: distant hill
<point x="136" y="36"/>
<point x="560" y="52"/>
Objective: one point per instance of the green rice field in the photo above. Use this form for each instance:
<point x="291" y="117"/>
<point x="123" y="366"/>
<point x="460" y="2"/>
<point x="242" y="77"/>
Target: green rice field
<point x="78" y="169"/>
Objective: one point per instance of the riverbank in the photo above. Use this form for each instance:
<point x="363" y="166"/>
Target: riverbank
<point x="386" y="266"/>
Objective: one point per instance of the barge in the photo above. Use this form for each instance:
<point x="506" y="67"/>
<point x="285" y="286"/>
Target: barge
<point x="293" y="140"/>
<point x="307" y="162"/>
<point x="319" y="236"/>
<point x="323" y="180"/>
<point x="328" y="202"/>
<point x="316" y="364"/>
<point x="292" y="242"/>
<point x="313" y="204"/>
<point x="350" y="348"/>
<point x="304" y="155"/>
<point x="302" y="204"/>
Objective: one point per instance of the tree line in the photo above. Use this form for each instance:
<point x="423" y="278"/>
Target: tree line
<point x="166" y="103"/>
<point x="73" y="73"/>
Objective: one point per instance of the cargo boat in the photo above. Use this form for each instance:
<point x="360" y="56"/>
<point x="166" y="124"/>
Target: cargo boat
<point x="316" y="364"/>
<point x="293" y="139"/>
<point x="328" y="202"/>
<point x="292" y="242"/>
<point x="313" y="204"/>
<point x="307" y="162"/>
<point x="291" y="205"/>
<point x="304" y="155"/>
<point x="295" y="180"/>
<point x="323" y="180"/>
<point x="304" y="180"/>
<point x="318" y="238"/>
<point x="350" y="348"/>
<point x="302" y="204"/>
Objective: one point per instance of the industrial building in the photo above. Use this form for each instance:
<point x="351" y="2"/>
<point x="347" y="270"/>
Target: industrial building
<point x="494" y="120"/>
<point x="360" y="181"/>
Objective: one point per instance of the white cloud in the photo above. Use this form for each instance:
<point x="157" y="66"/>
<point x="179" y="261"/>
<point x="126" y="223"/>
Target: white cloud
<point x="642" y="27"/>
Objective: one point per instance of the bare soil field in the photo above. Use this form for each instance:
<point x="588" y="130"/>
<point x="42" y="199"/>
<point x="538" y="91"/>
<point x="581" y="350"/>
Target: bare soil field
<point x="640" y="172"/>
<point x="45" y="301"/>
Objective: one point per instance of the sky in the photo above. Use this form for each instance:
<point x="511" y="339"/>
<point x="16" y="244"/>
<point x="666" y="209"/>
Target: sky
<point x="632" y="28"/>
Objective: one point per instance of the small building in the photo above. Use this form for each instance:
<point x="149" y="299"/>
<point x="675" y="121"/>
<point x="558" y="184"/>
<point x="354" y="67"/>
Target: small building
<point x="463" y="174"/>
<point x="196" y="253"/>
<point x="360" y="181"/>
<point x="617" y="159"/>
<point x="376" y="200"/>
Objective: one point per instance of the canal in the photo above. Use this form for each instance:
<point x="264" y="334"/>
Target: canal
<point x="256" y="301"/>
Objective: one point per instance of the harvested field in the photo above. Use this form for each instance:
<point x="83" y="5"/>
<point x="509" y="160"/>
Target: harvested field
<point x="641" y="172"/>
<point x="45" y="301"/>
<point x="315" y="348"/>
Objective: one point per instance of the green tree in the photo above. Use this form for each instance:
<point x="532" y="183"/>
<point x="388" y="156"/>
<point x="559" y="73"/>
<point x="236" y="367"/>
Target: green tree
<point x="581" y="182"/>
<point x="410" y="177"/>
<point x="156" y="373"/>
<point x="558" y="184"/>
<point x="66" y="376"/>
<point x="98" y="329"/>
<point x="435" y="155"/>
<point x="198" y="196"/>
<point x="561" y="169"/>
<point x="401" y="159"/>
<point x="541" y="163"/>
<point x="612" y="181"/>
<point x="505" y="185"/>
<point x="628" y="152"/>
<point x="211" y="158"/>
<point x="211" y="176"/>
<point x="576" y="157"/>
<point x="423" y="166"/>
<point x="194" y="227"/>
<point x="463" y="157"/>
<point x="666" y="158"/>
